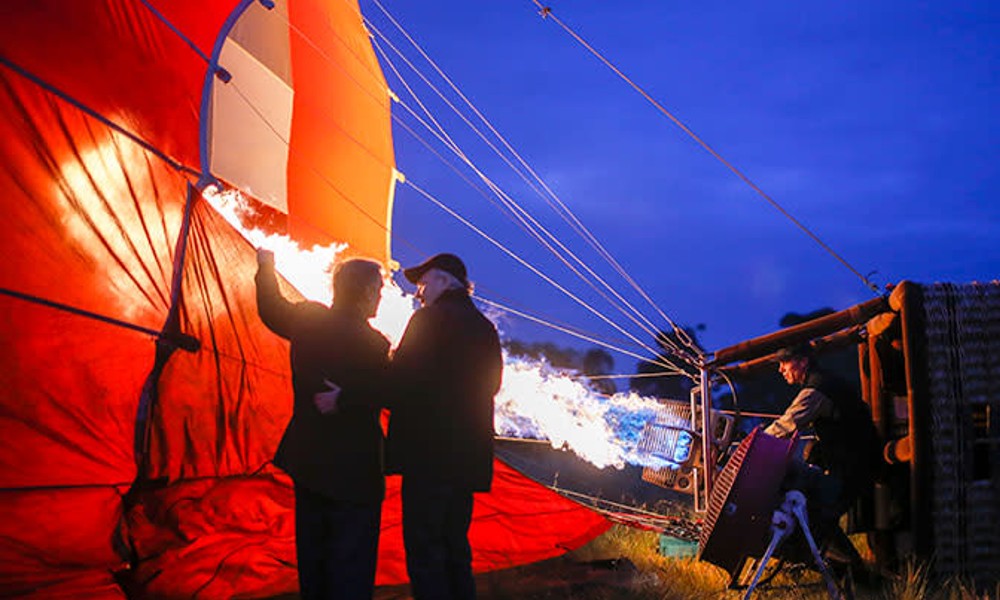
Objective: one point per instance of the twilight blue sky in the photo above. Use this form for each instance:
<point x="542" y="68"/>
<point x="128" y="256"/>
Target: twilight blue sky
<point x="876" y="123"/>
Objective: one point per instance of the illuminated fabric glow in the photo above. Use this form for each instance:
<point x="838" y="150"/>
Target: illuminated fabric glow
<point x="100" y="114"/>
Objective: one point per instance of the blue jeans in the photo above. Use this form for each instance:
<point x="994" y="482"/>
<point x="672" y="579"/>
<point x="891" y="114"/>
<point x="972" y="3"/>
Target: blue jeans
<point x="436" y="518"/>
<point x="337" y="546"/>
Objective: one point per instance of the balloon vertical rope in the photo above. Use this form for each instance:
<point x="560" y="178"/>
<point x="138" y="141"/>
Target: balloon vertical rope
<point x="164" y="348"/>
<point x="707" y="450"/>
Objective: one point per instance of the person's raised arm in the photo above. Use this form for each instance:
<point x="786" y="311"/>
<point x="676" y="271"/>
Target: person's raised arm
<point x="274" y="310"/>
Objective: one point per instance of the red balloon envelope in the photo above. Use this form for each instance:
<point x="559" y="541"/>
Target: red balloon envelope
<point x="142" y="397"/>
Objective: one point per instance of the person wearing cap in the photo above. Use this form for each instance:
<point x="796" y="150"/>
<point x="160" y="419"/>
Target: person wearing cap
<point x="847" y="447"/>
<point x="332" y="447"/>
<point x="846" y="436"/>
<point x="446" y="371"/>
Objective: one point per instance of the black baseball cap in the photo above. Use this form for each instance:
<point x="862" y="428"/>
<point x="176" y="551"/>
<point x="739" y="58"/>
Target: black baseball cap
<point x="797" y="351"/>
<point x="449" y="263"/>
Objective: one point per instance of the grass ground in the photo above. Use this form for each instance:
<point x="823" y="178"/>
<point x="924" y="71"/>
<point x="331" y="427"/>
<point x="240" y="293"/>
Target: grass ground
<point x="624" y="564"/>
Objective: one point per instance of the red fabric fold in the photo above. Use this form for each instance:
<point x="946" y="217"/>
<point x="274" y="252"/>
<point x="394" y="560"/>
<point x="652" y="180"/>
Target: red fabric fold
<point x="89" y="232"/>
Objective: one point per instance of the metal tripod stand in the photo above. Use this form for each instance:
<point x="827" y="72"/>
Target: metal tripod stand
<point x="783" y="525"/>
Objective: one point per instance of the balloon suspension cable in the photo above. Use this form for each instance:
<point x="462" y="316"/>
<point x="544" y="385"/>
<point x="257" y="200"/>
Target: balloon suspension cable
<point x="681" y="353"/>
<point x="550" y="197"/>
<point x="546" y="13"/>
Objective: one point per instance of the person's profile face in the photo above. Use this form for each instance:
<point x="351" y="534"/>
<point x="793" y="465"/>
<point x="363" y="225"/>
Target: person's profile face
<point x="793" y="370"/>
<point x="372" y="297"/>
<point x="430" y="286"/>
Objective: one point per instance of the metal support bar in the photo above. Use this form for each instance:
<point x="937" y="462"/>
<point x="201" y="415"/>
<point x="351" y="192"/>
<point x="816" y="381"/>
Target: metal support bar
<point x="707" y="448"/>
<point x="782" y="526"/>
<point x="803" y="332"/>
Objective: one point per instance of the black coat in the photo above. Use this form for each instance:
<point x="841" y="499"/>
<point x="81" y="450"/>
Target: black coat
<point x="445" y="372"/>
<point x="338" y="455"/>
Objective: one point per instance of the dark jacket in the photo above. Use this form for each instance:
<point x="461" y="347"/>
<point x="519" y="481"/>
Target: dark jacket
<point x="848" y="441"/>
<point x="445" y="372"/>
<point x="338" y="455"/>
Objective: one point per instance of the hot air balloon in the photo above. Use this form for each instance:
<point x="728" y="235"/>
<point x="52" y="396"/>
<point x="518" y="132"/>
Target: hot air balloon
<point x="142" y="398"/>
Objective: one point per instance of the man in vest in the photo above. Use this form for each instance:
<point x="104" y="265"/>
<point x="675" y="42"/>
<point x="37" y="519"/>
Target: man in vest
<point x="445" y="372"/>
<point x="847" y="446"/>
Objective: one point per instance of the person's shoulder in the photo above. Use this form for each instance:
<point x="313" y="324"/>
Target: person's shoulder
<point x="377" y="337"/>
<point x="311" y="308"/>
<point x="425" y="312"/>
<point x="425" y="318"/>
<point x="305" y="309"/>
<point x="479" y="315"/>
<point x="457" y="301"/>
<point x="307" y="319"/>
<point x="439" y="316"/>
<point x="817" y="377"/>
<point x="460" y="307"/>
<point x="822" y="378"/>
<point x="485" y="322"/>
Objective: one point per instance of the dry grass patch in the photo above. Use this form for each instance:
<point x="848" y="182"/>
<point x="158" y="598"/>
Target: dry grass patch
<point x="625" y="564"/>
<point x="663" y="578"/>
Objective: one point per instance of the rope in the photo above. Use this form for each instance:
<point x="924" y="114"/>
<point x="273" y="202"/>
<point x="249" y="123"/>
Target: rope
<point x="443" y="136"/>
<point x="546" y="12"/>
<point x="566" y="213"/>
<point x="454" y="147"/>
<point x="177" y="31"/>
<point x="529" y="266"/>
<point x="378" y="222"/>
<point x="632" y="376"/>
<point x="574" y="223"/>
<point x="516" y="210"/>
<point x="281" y="137"/>
<point x="517" y="216"/>
<point x="562" y="328"/>
<point x="526" y="264"/>
<point x="675" y="526"/>
<point x="571" y="332"/>
<point x="526" y="222"/>
<point x="444" y="99"/>
<point x="180" y="340"/>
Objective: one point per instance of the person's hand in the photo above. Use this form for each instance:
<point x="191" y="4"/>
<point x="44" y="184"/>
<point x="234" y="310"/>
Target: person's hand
<point x="326" y="402"/>
<point x="265" y="258"/>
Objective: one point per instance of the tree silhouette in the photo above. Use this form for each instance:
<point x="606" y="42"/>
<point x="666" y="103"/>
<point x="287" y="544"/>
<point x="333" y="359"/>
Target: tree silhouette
<point x="654" y="379"/>
<point x="597" y="362"/>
